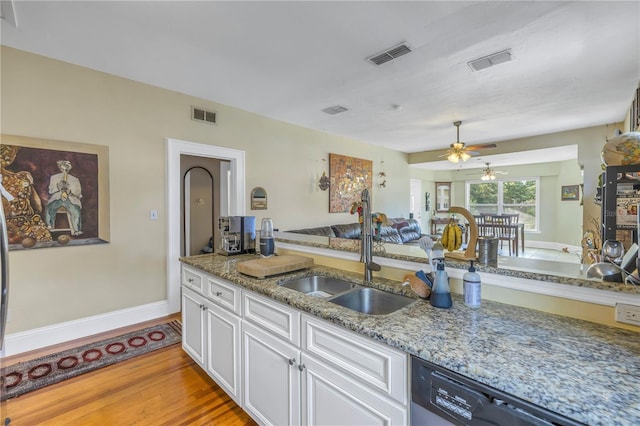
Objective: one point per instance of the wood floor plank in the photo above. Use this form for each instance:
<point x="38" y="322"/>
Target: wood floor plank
<point x="164" y="387"/>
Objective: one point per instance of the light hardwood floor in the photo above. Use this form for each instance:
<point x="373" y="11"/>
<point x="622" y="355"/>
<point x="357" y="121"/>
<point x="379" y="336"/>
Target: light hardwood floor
<point x="164" y="387"/>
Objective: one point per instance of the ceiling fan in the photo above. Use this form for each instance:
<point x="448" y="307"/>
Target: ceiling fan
<point x="489" y="174"/>
<point x="460" y="151"/>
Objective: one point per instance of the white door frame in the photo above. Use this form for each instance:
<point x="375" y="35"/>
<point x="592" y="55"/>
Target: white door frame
<point x="176" y="148"/>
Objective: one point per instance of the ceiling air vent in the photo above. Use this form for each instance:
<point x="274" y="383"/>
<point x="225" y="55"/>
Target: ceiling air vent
<point x="8" y="12"/>
<point x="490" y="60"/>
<point x="390" y="54"/>
<point x="200" y="114"/>
<point x="337" y="109"/>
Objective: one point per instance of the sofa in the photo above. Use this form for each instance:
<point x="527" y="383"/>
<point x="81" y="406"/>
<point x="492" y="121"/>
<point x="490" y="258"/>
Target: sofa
<point x="397" y="230"/>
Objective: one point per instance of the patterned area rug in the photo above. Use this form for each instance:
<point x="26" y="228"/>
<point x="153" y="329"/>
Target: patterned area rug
<point x="27" y="376"/>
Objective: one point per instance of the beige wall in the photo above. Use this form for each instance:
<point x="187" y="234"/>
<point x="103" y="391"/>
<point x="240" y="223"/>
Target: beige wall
<point x="54" y="100"/>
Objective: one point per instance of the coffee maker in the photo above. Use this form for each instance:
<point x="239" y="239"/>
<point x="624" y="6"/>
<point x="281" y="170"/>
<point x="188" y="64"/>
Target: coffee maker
<point x="237" y="235"/>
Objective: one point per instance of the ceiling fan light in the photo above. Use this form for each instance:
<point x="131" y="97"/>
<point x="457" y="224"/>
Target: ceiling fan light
<point x="485" y="177"/>
<point x="465" y="156"/>
<point x="453" y="157"/>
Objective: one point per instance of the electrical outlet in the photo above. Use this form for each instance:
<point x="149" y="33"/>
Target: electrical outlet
<point x="628" y="314"/>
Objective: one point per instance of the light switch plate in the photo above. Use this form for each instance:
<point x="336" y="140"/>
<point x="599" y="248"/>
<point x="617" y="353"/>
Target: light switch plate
<point x="628" y="314"/>
<point x="153" y="215"/>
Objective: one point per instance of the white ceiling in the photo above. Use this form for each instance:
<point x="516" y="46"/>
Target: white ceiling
<point x="575" y="64"/>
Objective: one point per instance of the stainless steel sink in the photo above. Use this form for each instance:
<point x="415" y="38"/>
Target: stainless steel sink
<point x="371" y="301"/>
<point x="318" y="285"/>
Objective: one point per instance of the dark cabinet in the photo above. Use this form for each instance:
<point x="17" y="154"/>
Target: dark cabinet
<point x="619" y="210"/>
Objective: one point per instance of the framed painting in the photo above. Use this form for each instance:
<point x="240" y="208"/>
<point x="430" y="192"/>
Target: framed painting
<point x="348" y="176"/>
<point x="570" y="193"/>
<point x="54" y="193"/>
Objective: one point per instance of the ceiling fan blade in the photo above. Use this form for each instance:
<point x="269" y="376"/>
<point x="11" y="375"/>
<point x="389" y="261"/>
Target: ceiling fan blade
<point x="475" y="147"/>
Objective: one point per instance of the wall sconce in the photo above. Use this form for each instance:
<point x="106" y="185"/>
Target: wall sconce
<point x="324" y="182"/>
<point x="382" y="176"/>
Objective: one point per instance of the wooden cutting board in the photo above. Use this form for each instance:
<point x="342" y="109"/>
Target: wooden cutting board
<point x="274" y="265"/>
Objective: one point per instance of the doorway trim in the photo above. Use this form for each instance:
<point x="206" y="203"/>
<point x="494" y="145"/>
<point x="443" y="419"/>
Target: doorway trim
<point x="176" y="148"/>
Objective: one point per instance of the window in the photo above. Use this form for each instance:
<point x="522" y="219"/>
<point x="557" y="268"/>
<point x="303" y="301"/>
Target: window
<point x="506" y="196"/>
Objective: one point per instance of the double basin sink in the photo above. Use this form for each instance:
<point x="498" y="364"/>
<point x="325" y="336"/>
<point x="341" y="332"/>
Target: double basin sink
<point x="349" y="295"/>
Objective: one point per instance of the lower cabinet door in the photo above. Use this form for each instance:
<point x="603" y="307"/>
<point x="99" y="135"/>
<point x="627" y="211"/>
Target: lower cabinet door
<point x="223" y="349"/>
<point x="271" y="384"/>
<point x="193" y="325"/>
<point x="331" y="398"/>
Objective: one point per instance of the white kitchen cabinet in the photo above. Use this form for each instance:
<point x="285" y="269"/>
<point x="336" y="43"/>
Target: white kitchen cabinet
<point x="212" y="337"/>
<point x="223" y="350"/>
<point x="277" y="318"/>
<point x="288" y="368"/>
<point x="373" y="364"/>
<point x="193" y="325"/>
<point x="223" y="293"/>
<point x="334" y="377"/>
<point x="271" y="377"/>
<point x="330" y="397"/>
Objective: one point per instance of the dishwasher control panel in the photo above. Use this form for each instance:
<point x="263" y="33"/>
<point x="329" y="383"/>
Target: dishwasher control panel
<point x="461" y="401"/>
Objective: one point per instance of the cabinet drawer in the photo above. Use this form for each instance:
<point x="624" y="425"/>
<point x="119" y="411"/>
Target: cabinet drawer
<point x="371" y="363"/>
<point x="223" y="293"/>
<point x="279" y="319"/>
<point x="192" y="279"/>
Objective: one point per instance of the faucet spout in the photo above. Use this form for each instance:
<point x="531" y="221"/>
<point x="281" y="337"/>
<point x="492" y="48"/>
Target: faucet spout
<point x="366" y="248"/>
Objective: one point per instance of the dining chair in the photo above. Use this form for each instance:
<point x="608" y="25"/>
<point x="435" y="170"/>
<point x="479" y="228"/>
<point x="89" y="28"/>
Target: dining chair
<point x="486" y="229"/>
<point x="479" y="222"/>
<point x="506" y="230"/>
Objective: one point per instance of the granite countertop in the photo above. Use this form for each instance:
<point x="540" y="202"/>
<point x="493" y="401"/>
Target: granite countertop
<point x="585" y="371"/>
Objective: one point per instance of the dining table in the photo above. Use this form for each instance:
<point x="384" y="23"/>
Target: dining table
<point x="488" y="229"/>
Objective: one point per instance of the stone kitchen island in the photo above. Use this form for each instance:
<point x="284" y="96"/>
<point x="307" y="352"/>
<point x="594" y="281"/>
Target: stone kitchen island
<point x="584" y="371"/>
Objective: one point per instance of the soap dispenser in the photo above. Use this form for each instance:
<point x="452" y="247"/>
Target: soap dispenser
<point x="441" y="293"/>
<point x="471" y="287"/>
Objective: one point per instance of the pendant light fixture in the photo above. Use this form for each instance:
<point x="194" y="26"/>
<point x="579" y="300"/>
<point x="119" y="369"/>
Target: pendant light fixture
<point x="457" y="151"/>
<point x="488" y="173"/>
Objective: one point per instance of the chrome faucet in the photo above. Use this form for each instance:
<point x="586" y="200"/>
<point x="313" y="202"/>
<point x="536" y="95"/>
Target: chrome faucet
<point x="366" y="248"/>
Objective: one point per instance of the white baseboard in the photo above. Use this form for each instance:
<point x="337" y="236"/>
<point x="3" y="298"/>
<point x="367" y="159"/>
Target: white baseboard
<point x="37" y="338"/>
<point x="552" y="246"/>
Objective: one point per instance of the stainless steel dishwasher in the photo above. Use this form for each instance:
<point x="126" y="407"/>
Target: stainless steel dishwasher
<point x="440" y="397"/>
